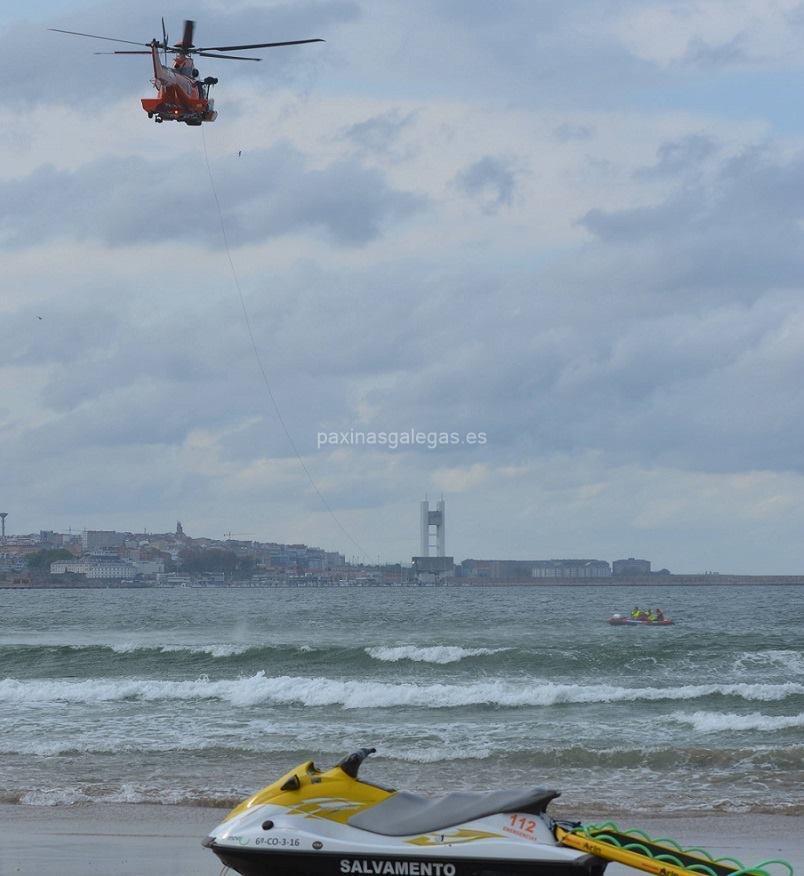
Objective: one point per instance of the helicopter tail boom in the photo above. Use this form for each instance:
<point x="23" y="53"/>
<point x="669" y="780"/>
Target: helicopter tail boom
<point x="159" y="69"/>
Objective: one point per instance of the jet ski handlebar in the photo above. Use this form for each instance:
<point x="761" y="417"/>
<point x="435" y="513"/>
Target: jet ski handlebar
<point x="351" y="763"/>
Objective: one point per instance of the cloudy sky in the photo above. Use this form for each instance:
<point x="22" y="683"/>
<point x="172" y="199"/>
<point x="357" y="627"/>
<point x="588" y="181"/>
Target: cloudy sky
<point x="574" y="227"/>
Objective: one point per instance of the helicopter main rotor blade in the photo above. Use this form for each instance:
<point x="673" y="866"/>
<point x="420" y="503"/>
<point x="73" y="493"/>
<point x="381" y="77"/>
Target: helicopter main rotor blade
<point x="258" y="45"/>
<point x="229" y="57"/>
<point x="94" y="36"/>
<point x="187" y="36"/>
<point x="122" y="53"/>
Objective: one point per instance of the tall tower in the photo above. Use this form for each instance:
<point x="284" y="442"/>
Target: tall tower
<point x="429" y="519"/>
<point x="3" y="515"/>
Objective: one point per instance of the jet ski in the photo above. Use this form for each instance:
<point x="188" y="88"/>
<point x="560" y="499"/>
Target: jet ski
<point x="330" y="823"/>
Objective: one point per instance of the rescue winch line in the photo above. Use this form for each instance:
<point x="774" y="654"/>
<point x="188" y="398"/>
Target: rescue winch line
<point x="261" y="366"/>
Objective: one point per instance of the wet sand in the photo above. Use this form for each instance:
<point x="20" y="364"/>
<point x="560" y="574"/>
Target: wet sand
<point x="145" y="840"/>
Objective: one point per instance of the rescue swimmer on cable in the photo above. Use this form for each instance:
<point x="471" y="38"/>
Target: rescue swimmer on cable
<point x="182" y="96"/>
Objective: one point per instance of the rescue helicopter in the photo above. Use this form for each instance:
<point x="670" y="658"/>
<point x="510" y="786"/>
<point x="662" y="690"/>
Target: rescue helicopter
<point x="181" y="95"/>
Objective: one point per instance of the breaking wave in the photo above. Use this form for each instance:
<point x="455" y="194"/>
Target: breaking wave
<point x="719" y="722"/>
<point x="790" y="661"/>
<point x="318" y="691"/>
<point x="516" y="759"/>
<point x="218" y="649"/>
<point x="437" y="654"/>
<point x="429" y="653"/>
<point x="605" y="804"/>
<point x="128" y="792"/>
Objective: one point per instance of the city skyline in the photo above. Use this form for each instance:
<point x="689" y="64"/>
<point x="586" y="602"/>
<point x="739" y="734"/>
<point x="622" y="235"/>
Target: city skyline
<point x="585" y="246"/>
<point x="92" y="540"/>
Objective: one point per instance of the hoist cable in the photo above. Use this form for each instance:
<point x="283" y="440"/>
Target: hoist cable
<point x="261" y="366"/>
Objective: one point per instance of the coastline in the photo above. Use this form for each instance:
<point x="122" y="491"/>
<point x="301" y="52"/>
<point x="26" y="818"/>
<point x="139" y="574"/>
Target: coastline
<point x="672" y="581"/>
<point x="132" y="839"/>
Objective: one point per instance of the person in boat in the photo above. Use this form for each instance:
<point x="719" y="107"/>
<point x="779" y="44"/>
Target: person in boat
<point x="651" y="617"/>
<point x="659" y="615"/>
<point x="636" y="612"/>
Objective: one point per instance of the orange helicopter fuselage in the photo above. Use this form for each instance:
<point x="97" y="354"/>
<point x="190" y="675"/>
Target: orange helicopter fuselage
<point x="181" y="96"/>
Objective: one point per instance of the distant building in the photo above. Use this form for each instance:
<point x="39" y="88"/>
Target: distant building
<point x="433" y="520"/>
<point x="98" y="539"/>
<point x="334" y="560"/>
<point x="173" y="580"/>
<point x="434" y="564"/>
<point x="107" y="567"/>
<point x="571" y="569"/>
<point x="480" y="569"/>
<point x="631" y="568"/>
<point x="523" y="570"/>
<point x="433" y="568"/>
<point x="12" y="562"/>
<point x="90" y="569"/>
<point x="20" y="546"/>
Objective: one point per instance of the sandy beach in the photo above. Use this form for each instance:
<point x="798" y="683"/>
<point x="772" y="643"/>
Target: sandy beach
<point x="132" y="840"/>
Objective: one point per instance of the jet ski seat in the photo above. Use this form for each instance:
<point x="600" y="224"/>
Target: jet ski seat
<point x="405" y="813"/>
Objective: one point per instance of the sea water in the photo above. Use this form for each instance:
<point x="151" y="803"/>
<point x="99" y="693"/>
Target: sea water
<point x="203" y="696"/>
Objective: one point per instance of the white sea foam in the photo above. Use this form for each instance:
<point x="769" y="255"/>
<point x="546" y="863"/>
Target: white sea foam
<point x="415" y="754"/>
<point x="318" y="691"/>
<point x="117" y="647"/>
<point x="428" y="653"/>
<point x="127" y="793"/>
<point x="110" y="744"/>
<point x="221" y="650"/>
<point x="132" y="646"/>
<point x="720" y="722"/>
<point x="792" y="662"/>
<point x="434" y="754"/>
<point x="55" y="797"/>
<point x="213" y="649"/>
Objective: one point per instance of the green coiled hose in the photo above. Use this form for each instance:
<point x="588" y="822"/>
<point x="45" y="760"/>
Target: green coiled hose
<point x="603" y="833"/>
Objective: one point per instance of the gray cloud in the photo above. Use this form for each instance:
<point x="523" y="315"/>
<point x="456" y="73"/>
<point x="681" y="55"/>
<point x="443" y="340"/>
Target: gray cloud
<point x="702" y="53"/>
<point x="380" y="134"/>
<point x="652" y="362"/>
<point x="735" y="235"/>
<point x="637" y="222"/>
<point x="647" y="344"/>
<point x="492" y="181"/>
<point x="681" y="156"/>
<point x="267" y="193"/>
<point x="133" y="379"/>
<point x="567" y="132"/>
<point x="61" y="336"/>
